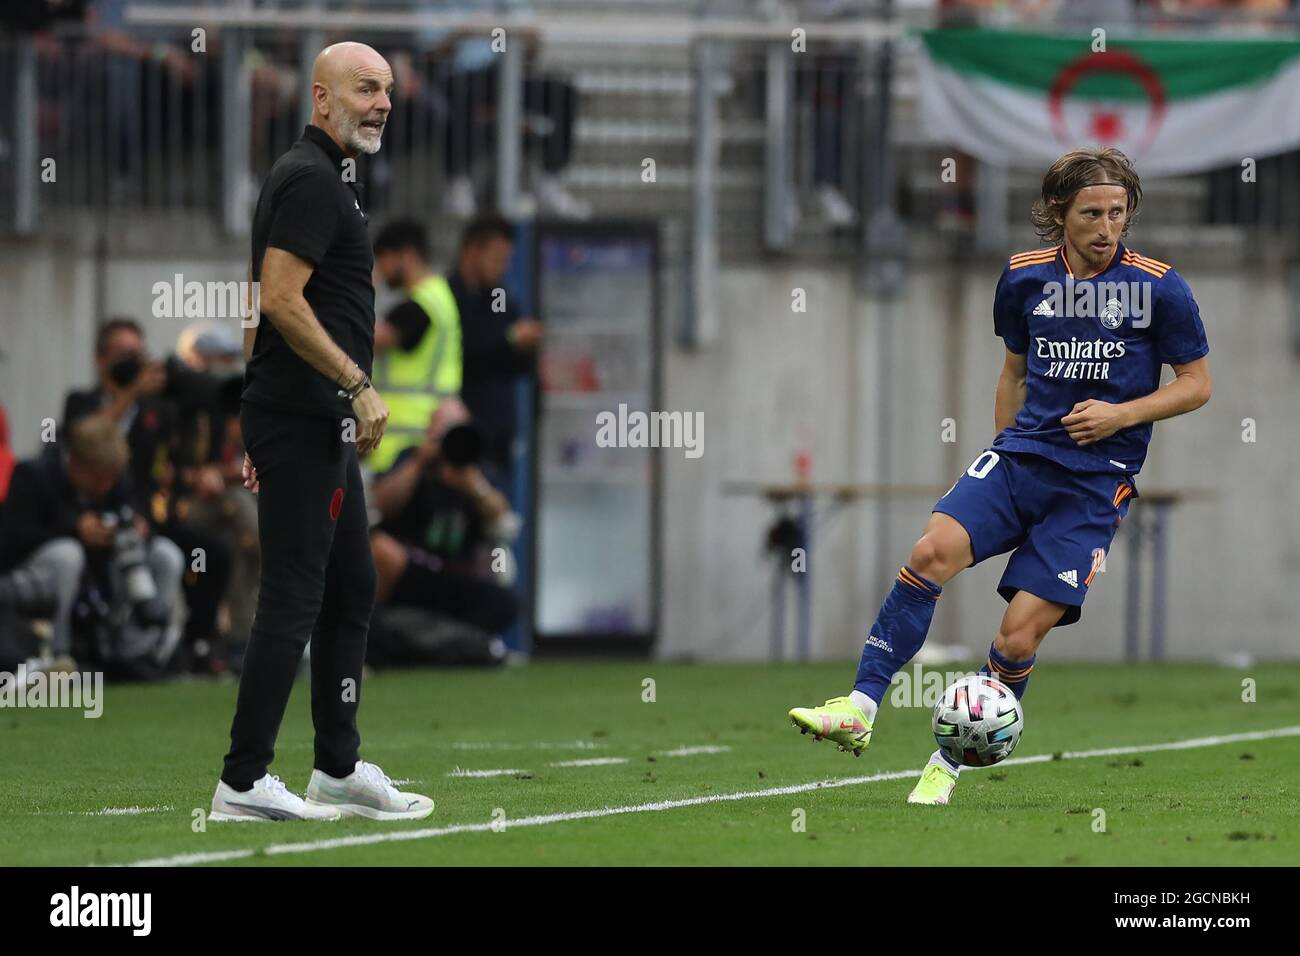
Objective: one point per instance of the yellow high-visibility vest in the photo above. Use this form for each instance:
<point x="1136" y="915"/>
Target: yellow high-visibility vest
<point x="415" y="381"/>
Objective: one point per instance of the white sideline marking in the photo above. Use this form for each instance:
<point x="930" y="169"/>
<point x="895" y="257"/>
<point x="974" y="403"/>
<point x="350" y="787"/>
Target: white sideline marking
<point x="535" y="745"/>
<point x="692" y="751"/>
<point x="504" y="772"/>
<point x="124" y="811"/>
<point x="591" y="762"/>
<point x="391" y="836"/>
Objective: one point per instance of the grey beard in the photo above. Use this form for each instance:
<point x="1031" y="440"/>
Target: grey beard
<point x="362" y="146"/>
<point x="351" y="131"/>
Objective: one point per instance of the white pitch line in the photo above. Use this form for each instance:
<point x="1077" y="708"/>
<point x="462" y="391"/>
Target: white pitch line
<point x="503" y="772"/>
<point x="534" y="745"/>
<point x="392" y="836"/>
<point x="591" y="762"/>
<point x="124" y="811"/>
<point x="692" y="751"/>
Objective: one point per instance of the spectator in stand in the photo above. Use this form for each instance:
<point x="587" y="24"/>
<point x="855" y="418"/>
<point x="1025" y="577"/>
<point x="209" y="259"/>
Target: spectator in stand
<point x="468" y="71"/>
<point x="826" y="89"/>
<point x="126" y="63"/>
<point x="141" y="71"/>
<point x="1232" y="11"/>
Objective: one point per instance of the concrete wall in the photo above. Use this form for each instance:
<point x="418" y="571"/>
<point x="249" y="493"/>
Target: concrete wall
<point x="778" y="382"/>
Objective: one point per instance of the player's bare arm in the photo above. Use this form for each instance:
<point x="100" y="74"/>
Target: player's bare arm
<point x="284" y="276"/>
<point x="1092" y="420"/>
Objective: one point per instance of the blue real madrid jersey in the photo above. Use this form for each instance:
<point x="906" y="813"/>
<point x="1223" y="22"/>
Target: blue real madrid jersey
<point x="1104" y="337"/>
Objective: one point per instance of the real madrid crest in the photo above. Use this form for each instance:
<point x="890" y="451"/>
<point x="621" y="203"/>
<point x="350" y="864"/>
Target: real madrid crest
<point x="1113" y="314"/>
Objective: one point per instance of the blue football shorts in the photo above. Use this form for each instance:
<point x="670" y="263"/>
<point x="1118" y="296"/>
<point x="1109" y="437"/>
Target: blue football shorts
<point x="1057" y="523"/>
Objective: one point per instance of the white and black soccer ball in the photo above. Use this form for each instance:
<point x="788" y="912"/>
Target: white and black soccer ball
<point x="978" y="721"/>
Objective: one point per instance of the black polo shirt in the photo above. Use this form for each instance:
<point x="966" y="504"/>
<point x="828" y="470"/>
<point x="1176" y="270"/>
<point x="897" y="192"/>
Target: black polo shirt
<point x="307" y="208"/>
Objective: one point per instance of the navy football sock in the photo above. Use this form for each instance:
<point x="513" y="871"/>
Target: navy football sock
<point x="1015" y="674"/>
<point x="898" y="633"/>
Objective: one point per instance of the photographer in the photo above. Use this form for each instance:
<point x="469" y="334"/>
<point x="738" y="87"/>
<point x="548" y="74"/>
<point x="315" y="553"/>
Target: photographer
<point x="69" y="514"/>
<point x="441" y="520"/>
<point x="164" y="408"/>
<point x="128" y="393"/>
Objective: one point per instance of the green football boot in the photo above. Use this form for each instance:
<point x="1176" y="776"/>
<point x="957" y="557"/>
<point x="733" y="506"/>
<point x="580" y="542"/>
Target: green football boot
<point x="938" y="781"/>
<point x="839" y="719"/>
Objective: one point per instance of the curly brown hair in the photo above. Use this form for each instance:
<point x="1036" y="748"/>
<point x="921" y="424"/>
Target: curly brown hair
<point x="1074" y="171"/>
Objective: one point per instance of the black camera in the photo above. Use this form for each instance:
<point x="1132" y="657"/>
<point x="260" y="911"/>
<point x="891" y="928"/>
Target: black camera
<point x="130" y="557"/>
<point x="463" y="445"/>
<point x="131" y="561"/>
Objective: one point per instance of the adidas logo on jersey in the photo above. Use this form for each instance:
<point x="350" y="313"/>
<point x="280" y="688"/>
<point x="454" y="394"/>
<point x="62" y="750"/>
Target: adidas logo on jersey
<point x="1071" y="578"/>
<point x="1043" y="308"/>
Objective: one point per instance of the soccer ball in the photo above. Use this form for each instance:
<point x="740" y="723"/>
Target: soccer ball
<point x="978" y="721"/>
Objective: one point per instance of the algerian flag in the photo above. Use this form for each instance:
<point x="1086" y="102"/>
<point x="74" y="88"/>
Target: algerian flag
<point x="1174" y="106"/>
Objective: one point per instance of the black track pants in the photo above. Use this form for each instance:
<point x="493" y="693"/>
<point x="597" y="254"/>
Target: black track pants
<point x="318" y="581"/>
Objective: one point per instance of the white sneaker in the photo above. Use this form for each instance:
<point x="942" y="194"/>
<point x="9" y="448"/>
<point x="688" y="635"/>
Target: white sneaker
<point x="366" y="792"/>
<point x="268" y="800"/>
<point x="557" y="200"/>
<point x="459" y="200"/>
<point x="835" y="208"/>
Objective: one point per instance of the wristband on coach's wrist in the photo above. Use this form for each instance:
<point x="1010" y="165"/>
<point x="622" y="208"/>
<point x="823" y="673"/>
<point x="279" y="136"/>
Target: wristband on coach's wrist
<point x="351" y="393"/>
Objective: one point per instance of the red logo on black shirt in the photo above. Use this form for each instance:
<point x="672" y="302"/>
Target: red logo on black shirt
<point x="336" y="504"/>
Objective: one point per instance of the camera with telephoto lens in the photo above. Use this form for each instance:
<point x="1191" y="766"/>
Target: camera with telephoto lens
<point x="129" y="556"/>
<point x="462" y="445"/>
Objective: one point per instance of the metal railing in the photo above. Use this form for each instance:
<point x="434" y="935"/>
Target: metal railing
<point x="754" y="146"/>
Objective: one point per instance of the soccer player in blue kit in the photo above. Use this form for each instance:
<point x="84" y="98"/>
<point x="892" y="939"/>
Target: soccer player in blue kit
<point x="1088" y="325"/>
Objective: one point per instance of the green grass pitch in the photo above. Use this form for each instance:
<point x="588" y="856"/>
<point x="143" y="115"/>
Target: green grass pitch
<point x="159" y="747"/>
